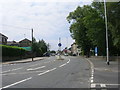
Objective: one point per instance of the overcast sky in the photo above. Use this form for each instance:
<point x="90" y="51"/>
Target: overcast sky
<point x="48" y="19"/>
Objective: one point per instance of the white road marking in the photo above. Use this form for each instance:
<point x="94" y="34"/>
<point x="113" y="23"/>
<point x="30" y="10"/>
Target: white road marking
<point x="52" y="69"/>
<point x="92" y="81"/>
<point x="16" y="69"/>
<point x="91" y="77"/>
<point x="92" y="70"/>
<point x="68" y="61"/>
<point x="102" y="85"/>
<point x="93" y="85"/>
<point x="17" y="83"/>
<point x="46" y="71"/>
<point x="5" y="71"/>
<point x="11" y="70"/>
<point x="106" y="84"/>
<point x="43" y="72"/>
<point x="36" y="68"/>
<point x="62" y="65"/>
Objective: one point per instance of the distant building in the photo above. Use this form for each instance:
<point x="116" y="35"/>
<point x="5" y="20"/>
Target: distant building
<point x="13" y="43"/>
<point x="3" y="39"/>
<point x="74" y="49"/>
<point x="25" y="43"/>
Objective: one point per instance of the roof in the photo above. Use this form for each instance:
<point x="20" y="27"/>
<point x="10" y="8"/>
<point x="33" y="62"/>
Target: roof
<point x="3" y="35"/>
<point x="12" y="42"/>
<point x="25" y="40"/>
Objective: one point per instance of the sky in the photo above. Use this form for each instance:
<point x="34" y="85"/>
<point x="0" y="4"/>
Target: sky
<point x="46" y="17"/>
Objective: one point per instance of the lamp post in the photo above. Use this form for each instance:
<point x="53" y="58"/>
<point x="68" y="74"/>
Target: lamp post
<point x="32" y="44"/>
<point x="107" y="49"/>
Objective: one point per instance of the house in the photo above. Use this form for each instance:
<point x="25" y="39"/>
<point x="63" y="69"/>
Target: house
<point x="3" y="39"/>
<point x="13" y="43"/>
<point x="74" y="49"/>
<point x="25" y="43"/>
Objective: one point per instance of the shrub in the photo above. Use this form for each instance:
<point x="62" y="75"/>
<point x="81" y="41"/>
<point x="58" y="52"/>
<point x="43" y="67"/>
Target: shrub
<point x="12" y="51"/>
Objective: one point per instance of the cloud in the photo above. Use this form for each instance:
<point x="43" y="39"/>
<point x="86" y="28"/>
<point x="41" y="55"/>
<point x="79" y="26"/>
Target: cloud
<point x="47" y="19"/>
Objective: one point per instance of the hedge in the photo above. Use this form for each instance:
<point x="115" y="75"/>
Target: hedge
<point x="12" y="51"/>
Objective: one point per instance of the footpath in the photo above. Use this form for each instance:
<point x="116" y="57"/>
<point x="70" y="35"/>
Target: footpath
<point x="101" y="63"/>
<point x="23" y="60"/>
<point x="104" y="75"/>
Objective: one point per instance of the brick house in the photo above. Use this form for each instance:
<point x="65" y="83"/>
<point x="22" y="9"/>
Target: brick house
<point x="25" y="43"/>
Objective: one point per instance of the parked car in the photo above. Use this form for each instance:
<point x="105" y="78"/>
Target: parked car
<point x="53" y="54"/>
<point x="65" y="54"/>
<point x="74" y="54"/>
<point x="46" y="54"/>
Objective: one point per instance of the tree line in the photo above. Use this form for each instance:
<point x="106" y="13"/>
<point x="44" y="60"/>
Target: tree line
<point x="88" y="27"/>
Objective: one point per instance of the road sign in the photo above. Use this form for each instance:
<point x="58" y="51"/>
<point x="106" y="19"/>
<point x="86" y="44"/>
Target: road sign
<point x="59" y="44"/>
<point x="96" y="51"/>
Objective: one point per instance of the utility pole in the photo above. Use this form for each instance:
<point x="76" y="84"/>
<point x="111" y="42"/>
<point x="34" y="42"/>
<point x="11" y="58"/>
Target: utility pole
<point x="32" y="44"/>
<point x="107" y="49"/>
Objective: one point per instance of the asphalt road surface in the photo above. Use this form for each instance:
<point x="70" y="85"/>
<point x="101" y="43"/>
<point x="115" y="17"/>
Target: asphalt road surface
<point x="72" y="72"/>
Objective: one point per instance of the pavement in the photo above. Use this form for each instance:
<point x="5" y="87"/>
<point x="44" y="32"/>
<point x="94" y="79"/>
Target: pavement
<point x="101" y="64"/>
<point x="23" y="60"/>
<point x="105" y="75"/>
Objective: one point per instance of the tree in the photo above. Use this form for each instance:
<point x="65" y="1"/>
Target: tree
<point x="113" y="10"/>
<point x="96" y="28"/>
<point x="39" y="48"/>
<point x="78" y="29"/>
<point x="113" y="16"/>
<point x="88" y="27"/>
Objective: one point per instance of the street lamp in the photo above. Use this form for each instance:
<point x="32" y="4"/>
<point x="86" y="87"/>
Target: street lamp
<point x="32" y="44"/>
<point x="107" y="49"/>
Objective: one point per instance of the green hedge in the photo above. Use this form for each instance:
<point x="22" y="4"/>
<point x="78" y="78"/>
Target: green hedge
<point x="12" y="51"/>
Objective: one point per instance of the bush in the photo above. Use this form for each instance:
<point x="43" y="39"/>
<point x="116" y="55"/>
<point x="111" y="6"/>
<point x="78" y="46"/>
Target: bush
<point x="12" y="51"/>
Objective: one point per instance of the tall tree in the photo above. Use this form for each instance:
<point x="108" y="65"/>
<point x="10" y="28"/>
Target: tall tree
<point x="88" y="27"/>
<point x="78" y="30"/>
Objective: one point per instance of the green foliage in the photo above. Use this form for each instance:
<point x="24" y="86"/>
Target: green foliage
<point x="88" y="27"/>
<point x="52" y="51"/>
<point x="39" y="48"/>
<point x="12" y="51"/>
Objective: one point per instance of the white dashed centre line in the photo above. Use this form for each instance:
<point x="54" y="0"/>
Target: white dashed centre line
<point x="62" y="65"/>
<point x="47" y="71"/>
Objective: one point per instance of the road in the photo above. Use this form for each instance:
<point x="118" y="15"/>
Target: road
<point x="72" y="72"/>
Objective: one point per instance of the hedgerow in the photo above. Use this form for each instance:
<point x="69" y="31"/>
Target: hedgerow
<point x="12" y="51"/>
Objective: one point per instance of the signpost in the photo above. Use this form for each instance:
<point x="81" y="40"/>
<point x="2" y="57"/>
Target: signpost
<point x="59" y="44"/>
<point x="96" y="51"/>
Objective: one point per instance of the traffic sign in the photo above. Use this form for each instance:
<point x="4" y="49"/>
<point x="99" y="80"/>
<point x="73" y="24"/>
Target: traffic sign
<point x="96" y="51"/>
<point x="59" y="44"/>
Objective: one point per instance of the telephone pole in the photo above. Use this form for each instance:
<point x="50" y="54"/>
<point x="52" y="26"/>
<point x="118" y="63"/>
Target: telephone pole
<point x="32" y="44"/>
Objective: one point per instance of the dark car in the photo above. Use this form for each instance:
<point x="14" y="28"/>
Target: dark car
<point x="46" y="54"/>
